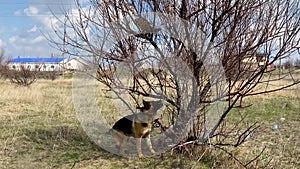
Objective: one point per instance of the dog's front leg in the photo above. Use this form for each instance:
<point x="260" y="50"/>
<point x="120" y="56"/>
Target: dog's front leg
<point x="150" y="144"/>
<point x="139" y="147"/>
<point x="122" y="143"/>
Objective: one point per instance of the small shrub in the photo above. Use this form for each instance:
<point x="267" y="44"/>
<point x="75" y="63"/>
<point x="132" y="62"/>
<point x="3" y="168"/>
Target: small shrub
<point x="52" y="75"/>
<point x="22" y="77"/>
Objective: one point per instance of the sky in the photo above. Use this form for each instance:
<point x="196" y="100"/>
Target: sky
<point x="23" y="24"/>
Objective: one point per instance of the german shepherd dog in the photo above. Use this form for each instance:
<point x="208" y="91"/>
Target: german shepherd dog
<point x="138" y="126"/>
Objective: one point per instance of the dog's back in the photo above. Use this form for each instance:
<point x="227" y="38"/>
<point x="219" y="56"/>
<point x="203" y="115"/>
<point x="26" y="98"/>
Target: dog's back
<point x="124" y="125"/>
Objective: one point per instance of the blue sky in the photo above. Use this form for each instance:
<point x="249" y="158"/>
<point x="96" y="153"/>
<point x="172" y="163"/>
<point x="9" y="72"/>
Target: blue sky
<point x="23" y="23"/>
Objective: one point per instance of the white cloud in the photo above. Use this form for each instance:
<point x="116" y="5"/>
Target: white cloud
<point x="13" y="39"/>
<point x="31" y="11"/>
<point x="49" y="22"/>
<point x="33" y="29"/>
<point x="48" y="15"/>
<point x="2" y="43"/>
<point x="37" y="39"/>
<point x="29" y="46"/>
<point x="18" y="13"/>
<point x="21" y="41"/>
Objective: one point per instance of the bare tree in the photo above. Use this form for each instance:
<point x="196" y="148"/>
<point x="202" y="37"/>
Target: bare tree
<point x="21" y="77"/>
<point x="288" y="64"/>
<point x="3" y="67"/>
<point x="2" y="56"/>
<point x="297" y="63"/>
<point x="197" y="55"/>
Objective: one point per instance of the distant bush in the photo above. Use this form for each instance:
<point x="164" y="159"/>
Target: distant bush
<point x="22" y="77"/>
<point x="3" y="70"/>
<point x="51" y="75"/>
<point x="3" y="67"/>
<point x="297" y="63"/>
<point x="288" y="64"/>
<point x="25" y="77"/>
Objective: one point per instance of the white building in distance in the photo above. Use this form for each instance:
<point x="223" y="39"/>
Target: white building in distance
<point x="76" y="64"/>
<point x="37" y="64"/>
<point x="48" y="64"/>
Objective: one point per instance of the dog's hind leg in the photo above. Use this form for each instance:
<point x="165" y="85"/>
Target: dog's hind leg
<point x="120" y="140"/>
<point x="150" y="144"/>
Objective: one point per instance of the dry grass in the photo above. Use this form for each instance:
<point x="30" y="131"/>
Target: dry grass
<point x="282" y="145"/>
<point x="39" y="129"/>
<point x="31" y="115"/>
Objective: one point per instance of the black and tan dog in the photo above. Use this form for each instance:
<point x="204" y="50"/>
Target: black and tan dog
<point x="138" y="126"/>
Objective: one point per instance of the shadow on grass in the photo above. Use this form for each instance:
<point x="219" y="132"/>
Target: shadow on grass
<point x="63" y="145"/>
<point x="70" y="147"/>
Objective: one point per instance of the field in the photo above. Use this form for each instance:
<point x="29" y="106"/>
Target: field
<point x="39" y="129"/>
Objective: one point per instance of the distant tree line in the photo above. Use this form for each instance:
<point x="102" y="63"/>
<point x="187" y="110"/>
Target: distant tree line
<point x="290" y="64"/>
<point x="24" y="76"/>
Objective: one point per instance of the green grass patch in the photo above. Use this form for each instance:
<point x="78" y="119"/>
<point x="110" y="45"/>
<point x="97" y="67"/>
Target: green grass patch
<point x="39" y="129"/>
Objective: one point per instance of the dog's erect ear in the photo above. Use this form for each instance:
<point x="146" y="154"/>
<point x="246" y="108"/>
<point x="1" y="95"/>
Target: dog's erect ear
<point x="147" y="105"/>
